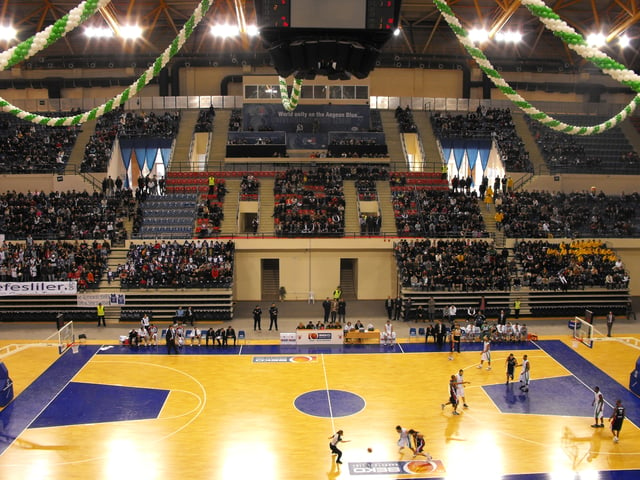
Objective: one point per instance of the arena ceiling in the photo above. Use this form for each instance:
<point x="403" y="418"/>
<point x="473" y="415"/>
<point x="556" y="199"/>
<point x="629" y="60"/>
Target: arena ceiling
<point x="426" y="41"/>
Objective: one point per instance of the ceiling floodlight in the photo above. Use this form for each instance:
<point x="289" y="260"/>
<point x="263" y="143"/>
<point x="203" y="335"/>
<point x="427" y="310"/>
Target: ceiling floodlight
<point x="596" y="40"/>
<point x="509" y="37"/>
<point x="98" y="32"/>
<point x="478" y="35"/>
<point x="130" y="32"/>
<point x="624" y="41"/>
<point x="396" y="32"/>
<point x="7" y="33"/>
<point x="252" y="30"/>
<point x="225" y="31"/>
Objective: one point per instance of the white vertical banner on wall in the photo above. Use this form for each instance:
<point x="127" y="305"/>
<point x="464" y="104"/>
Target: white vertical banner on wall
<point x="106" y="299"/>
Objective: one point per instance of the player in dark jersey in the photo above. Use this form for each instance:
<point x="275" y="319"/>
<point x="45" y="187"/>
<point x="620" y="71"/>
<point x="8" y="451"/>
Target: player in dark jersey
<point x="511" y="363"/>
<point x="453" y="395"/>
<point x="616" y="419"/>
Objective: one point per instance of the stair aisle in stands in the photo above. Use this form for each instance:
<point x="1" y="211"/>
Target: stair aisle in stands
<point x="265" y="210"/>
<point x="388" y="226"/>
<point x="229" y="225"/>
<point x="392" y="137"/>
<point x="351" y="221"/>
<point x="218" y="147"/>
<point x="188" y="119"/>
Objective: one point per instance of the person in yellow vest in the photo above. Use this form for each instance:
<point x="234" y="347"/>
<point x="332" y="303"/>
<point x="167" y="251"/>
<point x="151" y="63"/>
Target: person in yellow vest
<point x="444" y="171"/>
<point x="100" y="314"/>
<point x="212" y="184"/>
<point x="337" y="293"/>
<point x="516" y="308"/>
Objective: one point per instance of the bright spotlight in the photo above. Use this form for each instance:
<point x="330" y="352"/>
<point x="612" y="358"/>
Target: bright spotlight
<point x="130" y="32"/>
<point x="478" y="35"/>
<point x="396" y="32"/>
<point x="225" y="31"/>
<point x="98" y="32"/>
<point x="7" y="33"/>
<point x="509" y="37"/>
<point x="596" y="40"/>
<point x="252" y="31"/>
<point x="624" y="41"/>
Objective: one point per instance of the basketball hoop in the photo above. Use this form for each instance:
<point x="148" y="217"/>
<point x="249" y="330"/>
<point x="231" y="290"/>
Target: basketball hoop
<point x="75" y="348"/>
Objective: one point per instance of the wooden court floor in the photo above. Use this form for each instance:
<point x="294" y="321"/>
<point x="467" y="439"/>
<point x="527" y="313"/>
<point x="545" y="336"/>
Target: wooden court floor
<point x="259" y="412"/>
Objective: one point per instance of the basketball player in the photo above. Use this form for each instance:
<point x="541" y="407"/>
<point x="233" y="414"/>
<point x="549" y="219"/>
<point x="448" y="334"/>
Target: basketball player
<point x="388" y="335"/>
<point x="511" y="364"/>
<point x="616" y="419"/>
<point x="453" y="395"/>
<point x="403" y="441"/>
<point x="419" y="444"/>
<point x="486" y="353"/>
<point x="524" y="374"/>
<point x="598" y="407"/>
<point x="334" y="440"/>
<point x="460" y="387"/>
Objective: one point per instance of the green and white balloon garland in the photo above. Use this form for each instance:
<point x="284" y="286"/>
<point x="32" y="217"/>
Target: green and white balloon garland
<point x="122" y="97"/>
<point x="574" y="41"/>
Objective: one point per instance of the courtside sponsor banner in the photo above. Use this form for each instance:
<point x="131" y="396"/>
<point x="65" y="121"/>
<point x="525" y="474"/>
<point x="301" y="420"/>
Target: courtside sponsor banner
<point x="284" y="359"/>
<point x="398" y="468"/>
<point x="38" y="288"/>
<point x="106" y="299"/>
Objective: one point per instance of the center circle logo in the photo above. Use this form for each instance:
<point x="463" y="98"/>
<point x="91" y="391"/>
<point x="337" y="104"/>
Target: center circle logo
<point x="329" y="403"/>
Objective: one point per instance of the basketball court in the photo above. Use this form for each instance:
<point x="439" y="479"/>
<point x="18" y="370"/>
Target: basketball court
<point x="260" y="410"/>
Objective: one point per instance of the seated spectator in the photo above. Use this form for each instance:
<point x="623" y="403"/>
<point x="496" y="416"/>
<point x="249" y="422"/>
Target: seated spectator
<point x="231" y="333"/>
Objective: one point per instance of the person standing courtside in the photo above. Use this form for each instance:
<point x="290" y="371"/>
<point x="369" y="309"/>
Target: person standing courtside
<point x="257" y="318"/>
<point x="388" y="306"/>
<point x="611" y="318"/>
<point x="397" y="308"/>
<point x="170" y="338"/>
<point x="273" y="317"/>
<point x="100" y="315"/>
<point x="326" y="307"/>
<point x="440" y="333"/>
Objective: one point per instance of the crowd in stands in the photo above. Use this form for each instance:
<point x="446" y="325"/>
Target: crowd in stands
<point x="54" y="261"/>
<point x="609" y="151"/>
<point x="537" y="214"/>
<point x="570" y="266"/>
<point x="492" y="123"/>
<point x="29" y="148"/>
<point x="97" y="152"/>
<point x="370" y="224"/>
<point x="436" y="213"/>
<point x="405" y="120"/>
<point x="210" y="210"/>
<point x="309" y="203"/>
<point x="249" y="185"/>
<point x="192" y="264"/>
<point x="65" y="215"/>
<point x="452" y="265"/>
<point x="205" y="120"/>
<point x="235" y="120"/>
<point x="463" y="265"/>
<point x="140" y="124"/>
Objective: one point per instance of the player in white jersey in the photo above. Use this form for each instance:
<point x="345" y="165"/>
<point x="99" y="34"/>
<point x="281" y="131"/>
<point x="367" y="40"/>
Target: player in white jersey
<point x="524" y="374"/>
<point x="485" y="356"/>
<point x="388" y="335"/>
<point x="460" y="387"/>
<point x="598" y="408"/>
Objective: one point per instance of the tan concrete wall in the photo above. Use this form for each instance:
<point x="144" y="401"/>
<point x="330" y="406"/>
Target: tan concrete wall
<point x="314" y="265"/>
